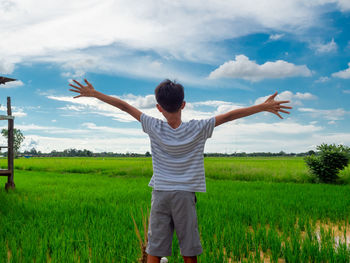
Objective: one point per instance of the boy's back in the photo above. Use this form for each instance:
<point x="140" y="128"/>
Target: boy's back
<point x="177" y="154"/>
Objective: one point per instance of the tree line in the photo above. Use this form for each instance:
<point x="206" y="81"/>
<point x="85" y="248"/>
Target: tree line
<point x="87" y="153"/>
<point x="79" y="153"/>
<point x="19" y="138"/>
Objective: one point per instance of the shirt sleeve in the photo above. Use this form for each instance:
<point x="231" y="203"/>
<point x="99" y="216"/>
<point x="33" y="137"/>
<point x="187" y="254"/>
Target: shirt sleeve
<point x="208" y="127"/>
<point x="146" y="122"/>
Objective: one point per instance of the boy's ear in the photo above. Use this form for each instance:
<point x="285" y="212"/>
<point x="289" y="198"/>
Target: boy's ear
<point x="183" y="105"/>
<point x="159" y="108"/>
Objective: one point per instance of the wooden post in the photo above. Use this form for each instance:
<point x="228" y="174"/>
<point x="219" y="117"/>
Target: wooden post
<point x="10" y="155"/>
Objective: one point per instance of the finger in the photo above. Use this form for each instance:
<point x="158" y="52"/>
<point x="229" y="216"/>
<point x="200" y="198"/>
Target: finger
<point x="80" y="85"/>
<point x="77" y="96"/>
<point x="74" y="86"/>
<point x="283" y="101"/>
<point x="278" y="115"/>
<point x="285" y="107"/>
<point x="77" y="91"/>
<point x="274" y="95"/>
<point x="284" y="111"/>
<point x="87" y="82"/>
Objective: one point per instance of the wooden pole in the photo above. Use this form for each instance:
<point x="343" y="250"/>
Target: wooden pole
<point x="10" y="155"/>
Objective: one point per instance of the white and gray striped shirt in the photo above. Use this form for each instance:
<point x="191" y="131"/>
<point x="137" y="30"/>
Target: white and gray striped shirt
<point x="177" y="154"/>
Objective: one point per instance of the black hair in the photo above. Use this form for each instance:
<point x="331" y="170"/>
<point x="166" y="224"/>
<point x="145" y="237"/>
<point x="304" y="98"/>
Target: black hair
<point x="170" y="95"/>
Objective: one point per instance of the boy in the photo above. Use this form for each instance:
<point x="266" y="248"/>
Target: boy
<point x="178" y="168"/>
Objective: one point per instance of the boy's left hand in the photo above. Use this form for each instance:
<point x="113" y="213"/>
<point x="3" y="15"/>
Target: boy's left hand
<point x="84" y="91"/>
<point x="274" y="106"/>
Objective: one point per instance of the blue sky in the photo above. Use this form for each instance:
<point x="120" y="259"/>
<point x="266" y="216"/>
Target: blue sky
<point x="227" y="54"/>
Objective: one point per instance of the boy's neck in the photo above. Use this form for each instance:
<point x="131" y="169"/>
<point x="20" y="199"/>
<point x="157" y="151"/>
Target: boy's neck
<point x="173" y="119"/>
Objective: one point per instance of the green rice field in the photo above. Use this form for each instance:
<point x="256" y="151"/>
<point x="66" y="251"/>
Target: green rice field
<point x="290" y="169"/>
<point x="255" y="210"/>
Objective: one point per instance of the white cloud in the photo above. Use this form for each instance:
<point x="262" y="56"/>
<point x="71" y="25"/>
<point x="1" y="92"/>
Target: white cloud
<point x="347" y="91"/>
<point x="86" y="130"/>
<point x="29" y="144"/>
<point x="247" y="69"/>
<point x="223" y="141"/>
<point x="180" y="30"/>
<point x="89" y="136"/>
<point x="115" y="131"/>
<point x="295" y="99"/>
<point x="281" y="127"/>
<point x="16" y="111"/>
<point x="12" y="84"/>
<point x="109" y="143"/>
<point x="19" y="114"/>
<point x="326" y="48"/>
<point x="73" y="75"/>
<point x="344" y="5"/>
<point x="93" y="106"/>
<point x="276" y="36"/>
<point x="228" y="139"/>
<point x="305" y="96"/>
<point x="73" y="108"/>
<point x="231" y="137"/>
<point x="243" y="136"/>
<point x="127" y="22"/>
<point x="211" y="103"/>
<point x="48" y="129"/>
<point x="146" y="102"/>
<point x="234" y="136"/>
<point x="193" y="110"/>
<point x="332" y="115"/>
<point x="6" y="67"/>
<point x="323" y="79"/>
<point x="343" y="74"/>
<point x="120" y="62"/>
<point x="78" y="64"/>
<point x="240" y="135"/>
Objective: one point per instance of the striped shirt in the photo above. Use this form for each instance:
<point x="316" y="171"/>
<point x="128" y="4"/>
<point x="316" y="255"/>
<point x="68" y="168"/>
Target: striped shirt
<point x="177" y="154"/>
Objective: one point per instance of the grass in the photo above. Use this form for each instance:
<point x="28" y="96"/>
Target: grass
<point x="56" y="216"/>
<point x="276" y="169"/>
<point x="292" y="169"/>
<point x="66" y="217"/>
<point x="103" y="166"/>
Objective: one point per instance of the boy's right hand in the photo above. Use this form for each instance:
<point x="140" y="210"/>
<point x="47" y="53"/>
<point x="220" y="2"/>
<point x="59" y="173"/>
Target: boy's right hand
<point x="85" y="91"/>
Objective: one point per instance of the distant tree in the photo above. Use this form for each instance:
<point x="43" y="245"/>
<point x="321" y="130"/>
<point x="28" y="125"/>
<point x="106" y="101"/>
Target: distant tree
<point x="281" y="153"/>
<point x="33" y="151"/>
<point x="147" y="154"/>
<point x="311" y="152"/>
<point x="18" y="139"/>
<point x="87" y="153"/>
<point x="328" y="161"/>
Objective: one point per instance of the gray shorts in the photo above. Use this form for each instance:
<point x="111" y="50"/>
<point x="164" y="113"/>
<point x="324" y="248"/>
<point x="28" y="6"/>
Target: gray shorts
<point x="173" y="210"/>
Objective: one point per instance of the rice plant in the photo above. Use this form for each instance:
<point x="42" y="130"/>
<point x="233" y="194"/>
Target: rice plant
<point x="142" y="241"/>
<point x="94" y="217"/>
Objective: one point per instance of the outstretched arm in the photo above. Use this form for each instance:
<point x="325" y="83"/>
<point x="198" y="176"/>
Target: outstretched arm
<point x="89" y="91"/>
<point x="270" y="105"/>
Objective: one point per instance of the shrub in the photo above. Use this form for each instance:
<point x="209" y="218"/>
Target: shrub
<point x="328" y="161"/>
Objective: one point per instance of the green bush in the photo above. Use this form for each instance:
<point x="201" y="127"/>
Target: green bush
<point x="327" y="162"/>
